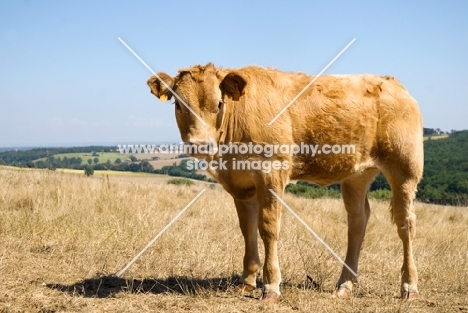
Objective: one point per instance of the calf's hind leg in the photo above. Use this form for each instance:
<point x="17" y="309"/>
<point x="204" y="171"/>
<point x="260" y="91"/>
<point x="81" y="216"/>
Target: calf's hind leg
<point x="403" y="190"/>
<point x="354" y="192"/>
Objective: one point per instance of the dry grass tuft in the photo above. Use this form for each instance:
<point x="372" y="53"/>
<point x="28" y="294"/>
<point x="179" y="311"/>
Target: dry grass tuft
<point x="63" y="236"/>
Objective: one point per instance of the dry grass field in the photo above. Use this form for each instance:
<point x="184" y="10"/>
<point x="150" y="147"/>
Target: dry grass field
<point x="158" y="164"/>
<point x="436" y="137"/>
<point x="63" y="236"/>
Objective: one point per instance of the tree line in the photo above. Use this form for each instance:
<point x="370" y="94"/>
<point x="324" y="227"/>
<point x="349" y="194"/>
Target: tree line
<point x="22" y="158"/>
<point x="445" y="178"/>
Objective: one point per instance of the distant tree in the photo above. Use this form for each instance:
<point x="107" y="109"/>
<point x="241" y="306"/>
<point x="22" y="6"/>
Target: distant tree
<point x="51" y="167"/>
<point x="94" y="154"/>
<point x="380" y="183"/>
<point x="146" y="167"/>
<point x="96" y="160"/>
<point x="100" y="167"/>
<point x="88" y="170"/>
<point x="108" y="164"/>
<point x="90" y="161"/>
<point x="183" y="165"/>
<point x="134" y="167"/>
<point x="118" y="161"/>
<point x="133" y="158"/>
<point x="41" y="164"/>
<point x="429" y="131"/>
<point x="121" y="167"/>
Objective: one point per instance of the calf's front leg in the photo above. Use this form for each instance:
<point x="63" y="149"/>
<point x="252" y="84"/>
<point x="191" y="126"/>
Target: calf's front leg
<point x="269" y="217"/>
<point x="247" y="212"/>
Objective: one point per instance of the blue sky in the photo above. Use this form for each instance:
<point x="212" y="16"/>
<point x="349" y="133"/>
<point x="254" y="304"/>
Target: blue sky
<point x="65" y="78"/>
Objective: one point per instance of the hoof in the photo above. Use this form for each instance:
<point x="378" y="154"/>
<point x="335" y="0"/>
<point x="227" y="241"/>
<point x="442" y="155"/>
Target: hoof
<point x="409" y="292"/>
<point x="270" y="297"/>
<point x="245" y="288"/>
<point x="409" y="296"/>
<point x="341" y="292"/>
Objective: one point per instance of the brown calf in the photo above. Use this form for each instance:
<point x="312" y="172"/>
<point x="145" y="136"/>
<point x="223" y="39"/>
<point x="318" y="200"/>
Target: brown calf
<point x="373" y="114"/>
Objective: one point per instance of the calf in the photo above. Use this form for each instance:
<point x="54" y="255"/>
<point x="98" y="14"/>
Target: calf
<point x="374" y="117"/>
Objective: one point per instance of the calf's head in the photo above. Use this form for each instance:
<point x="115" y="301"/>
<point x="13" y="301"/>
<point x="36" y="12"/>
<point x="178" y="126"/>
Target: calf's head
<point x="202" y="96"/>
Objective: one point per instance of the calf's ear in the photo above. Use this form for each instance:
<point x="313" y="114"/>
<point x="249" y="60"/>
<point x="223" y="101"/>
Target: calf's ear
<point x="158" y="88"/>
<point x="233" y="85"/>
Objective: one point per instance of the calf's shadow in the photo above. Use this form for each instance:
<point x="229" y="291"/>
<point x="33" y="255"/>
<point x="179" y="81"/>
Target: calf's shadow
<point x="109" y="286"/>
